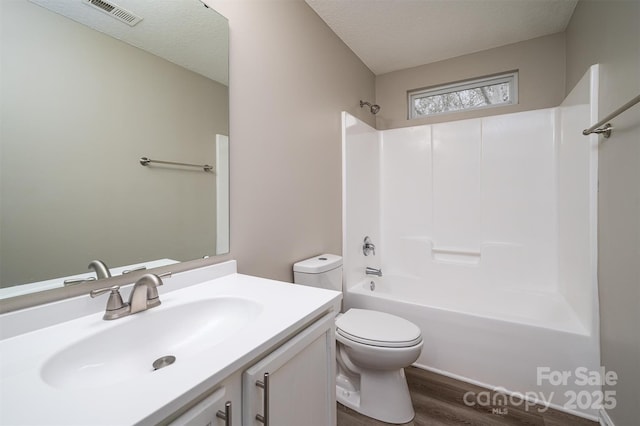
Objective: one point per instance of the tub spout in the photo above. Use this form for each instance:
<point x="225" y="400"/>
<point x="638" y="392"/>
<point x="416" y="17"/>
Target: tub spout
<point x="373" y="271"/>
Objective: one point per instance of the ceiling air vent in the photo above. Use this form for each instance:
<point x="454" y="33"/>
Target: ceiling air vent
<point x="114" y="11"/>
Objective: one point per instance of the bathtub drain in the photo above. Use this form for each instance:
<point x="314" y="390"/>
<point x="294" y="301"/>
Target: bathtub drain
<point x="372" y="286"/>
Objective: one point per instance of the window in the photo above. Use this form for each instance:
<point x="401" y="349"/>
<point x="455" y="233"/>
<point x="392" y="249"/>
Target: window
<point x="486" y="92"/>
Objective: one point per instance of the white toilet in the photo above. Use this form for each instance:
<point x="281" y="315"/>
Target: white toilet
<point x="372" y="349"/>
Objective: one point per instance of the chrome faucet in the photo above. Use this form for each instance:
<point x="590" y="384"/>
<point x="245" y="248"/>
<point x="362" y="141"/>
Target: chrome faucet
<point x="101" y="269"/>
<point x="144" y="295"/>
<point x="373" y="271"/>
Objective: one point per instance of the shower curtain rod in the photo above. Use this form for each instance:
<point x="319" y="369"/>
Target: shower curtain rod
<point x="606" y="130"/>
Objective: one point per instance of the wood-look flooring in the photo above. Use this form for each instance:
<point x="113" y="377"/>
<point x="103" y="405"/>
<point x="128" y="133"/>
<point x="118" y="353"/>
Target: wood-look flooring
<point x="438" y="401"/>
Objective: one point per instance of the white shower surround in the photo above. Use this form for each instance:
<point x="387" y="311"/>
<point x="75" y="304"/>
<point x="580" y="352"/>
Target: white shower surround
<point x="485" y="230"/>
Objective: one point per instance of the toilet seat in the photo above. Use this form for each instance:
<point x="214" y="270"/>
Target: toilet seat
<point x="376" y="328"/>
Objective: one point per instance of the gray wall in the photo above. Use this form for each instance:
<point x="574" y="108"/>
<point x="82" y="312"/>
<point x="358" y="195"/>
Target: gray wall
<point x="290" y="78"/>
<point x="541" y="65"/>
<point x="608" y="32"/>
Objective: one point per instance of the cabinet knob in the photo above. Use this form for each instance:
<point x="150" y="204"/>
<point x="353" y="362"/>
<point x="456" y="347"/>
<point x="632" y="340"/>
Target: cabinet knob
<point x="226" y="414"/>
<point x="264" y="384"/>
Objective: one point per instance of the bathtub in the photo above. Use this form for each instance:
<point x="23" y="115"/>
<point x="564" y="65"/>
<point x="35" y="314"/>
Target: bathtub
<point x="517" y="342"/>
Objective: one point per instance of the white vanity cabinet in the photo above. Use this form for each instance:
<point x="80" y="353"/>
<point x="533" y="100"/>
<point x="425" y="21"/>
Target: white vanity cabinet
<point x="293" y="385"/>
<point x="225" y="330"/>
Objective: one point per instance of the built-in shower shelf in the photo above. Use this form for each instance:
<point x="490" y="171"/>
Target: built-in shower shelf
<point x="455" y="255"/>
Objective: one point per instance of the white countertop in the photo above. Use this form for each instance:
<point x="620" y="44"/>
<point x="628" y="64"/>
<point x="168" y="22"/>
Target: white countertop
<point x="25" y="398"/>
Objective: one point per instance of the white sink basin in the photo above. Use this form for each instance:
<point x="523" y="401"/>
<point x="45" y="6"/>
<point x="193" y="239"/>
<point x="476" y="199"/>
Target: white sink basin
<point x="127" y="350"/>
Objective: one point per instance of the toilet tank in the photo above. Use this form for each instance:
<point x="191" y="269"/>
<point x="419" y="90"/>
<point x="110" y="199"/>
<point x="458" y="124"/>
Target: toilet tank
<point x="322" y="271"/>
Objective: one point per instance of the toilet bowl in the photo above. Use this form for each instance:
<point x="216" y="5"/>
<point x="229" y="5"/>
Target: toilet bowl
<point x="372" y="349"/>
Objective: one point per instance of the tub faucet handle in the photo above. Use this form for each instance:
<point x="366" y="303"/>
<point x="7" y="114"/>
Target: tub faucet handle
<point x="368" y="247"/>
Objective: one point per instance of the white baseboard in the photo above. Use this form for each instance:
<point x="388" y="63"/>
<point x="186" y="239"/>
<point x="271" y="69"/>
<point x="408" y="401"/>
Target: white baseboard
<point x="604" y="419"/>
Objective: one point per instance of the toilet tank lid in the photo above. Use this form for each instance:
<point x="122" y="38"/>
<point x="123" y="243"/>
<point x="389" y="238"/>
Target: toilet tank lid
<point x="318" y="264"/>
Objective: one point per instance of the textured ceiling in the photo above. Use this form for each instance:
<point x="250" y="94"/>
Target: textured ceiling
<point x="388" y="35"/>
<point x="181" y="31"/>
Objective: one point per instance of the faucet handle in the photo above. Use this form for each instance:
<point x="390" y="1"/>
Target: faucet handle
<point x="99" y="291"/>
<point x="74" y="281"/>
<point x="368" y="246"/>
<point x="115" y="305"/>
<point x="139" y="268"/>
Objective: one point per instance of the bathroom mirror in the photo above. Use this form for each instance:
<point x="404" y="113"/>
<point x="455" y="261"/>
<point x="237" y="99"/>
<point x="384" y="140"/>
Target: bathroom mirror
<point x="84" y="97"/>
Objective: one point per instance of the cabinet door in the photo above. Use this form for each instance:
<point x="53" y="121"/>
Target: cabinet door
<point x="300" y="388"/>
<point x="205" y="412"/>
